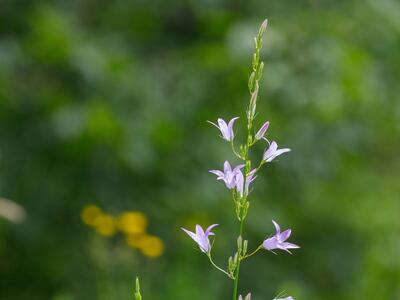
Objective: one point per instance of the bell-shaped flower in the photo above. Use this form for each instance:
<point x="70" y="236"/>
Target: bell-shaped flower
<point x="278" y="241"/>
<point x="226" y="129"/>
<point x="261" y="132"/>
<point x="228" y="175"/>
<point x="201" y="237"/>
<point x="242" y="187"/>
<point x="273" y="152"/>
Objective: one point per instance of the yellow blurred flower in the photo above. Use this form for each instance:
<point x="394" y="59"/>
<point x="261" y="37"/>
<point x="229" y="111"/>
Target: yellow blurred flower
<point x="133" y="240"/>
<point x="151" y="246"/>
<point x="132" y="222"/>
<point x="106" y="225"/>
<point x="90" y="213"/>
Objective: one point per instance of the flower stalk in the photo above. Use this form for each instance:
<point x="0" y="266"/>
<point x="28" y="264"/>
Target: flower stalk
<point x="239" y="178"/>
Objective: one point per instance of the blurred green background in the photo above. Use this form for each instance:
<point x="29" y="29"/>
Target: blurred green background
<point x="105" y="103"/>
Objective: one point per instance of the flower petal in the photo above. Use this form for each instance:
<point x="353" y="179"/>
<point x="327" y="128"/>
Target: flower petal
<point x="224" y="129"/>
<point x="230" y="127"/>
<point x="277" y="227"/>
<point x="191" y="234"/>
<point x="208" y="230"/>
<point x="217" y="172"/>
<point x="281" y="151"/>
<point x="239" y="182"/>
<point x="285" y="235"/>
<point x="238" y="168"/>
<point x="288" y="245"/>
<point x="269" y="153"/>
<point x="270" y="243"/>
<point x="227" y="167"/>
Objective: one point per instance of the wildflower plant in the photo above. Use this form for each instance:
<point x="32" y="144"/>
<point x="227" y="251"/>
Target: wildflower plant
<point x="239" y="178"/>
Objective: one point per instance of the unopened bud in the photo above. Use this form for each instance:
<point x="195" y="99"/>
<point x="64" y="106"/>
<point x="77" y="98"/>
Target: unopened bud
<point x="239" y="243"/>
<point x="263" y="28"/>
<point x="251" y="82"/>
<point x="260" y="71"/>
<point x="244" y="250"/>
<point x="235" y="258"/>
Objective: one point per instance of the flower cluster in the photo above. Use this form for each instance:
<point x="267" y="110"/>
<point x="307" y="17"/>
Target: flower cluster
<point x="132" y="224"/>
<point x="239" y="178"/>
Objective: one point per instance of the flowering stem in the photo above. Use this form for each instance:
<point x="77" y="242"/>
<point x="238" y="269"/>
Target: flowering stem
<point x="236" y="282"/>
<point x="252" y="253"/>
<point x="235" y="152"/>
<point x="218" y="268"/>
<point x="253" y="85"/>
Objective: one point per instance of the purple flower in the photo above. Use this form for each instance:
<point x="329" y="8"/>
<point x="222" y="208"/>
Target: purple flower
<point x="261" y="132"/>
<point x="228" y="175"/>
<point x="201" y="237"/>
<point x="273" y="152"/>
<point x="226" y="129"/>
<point x="244" y="190"/>
<point x="287" y="298"/>
<point x="278" y="241"/>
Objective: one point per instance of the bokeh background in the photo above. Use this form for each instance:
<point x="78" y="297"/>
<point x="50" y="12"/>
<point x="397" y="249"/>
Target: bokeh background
<point x="104" y="147"/>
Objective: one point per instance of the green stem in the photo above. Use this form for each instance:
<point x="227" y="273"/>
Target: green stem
<point x="252" y="253"/>
<point x="242" y="201"/>
<point x="236" y="282"/>
<point x="218" y="268"/>
<point x="235" y="152"/>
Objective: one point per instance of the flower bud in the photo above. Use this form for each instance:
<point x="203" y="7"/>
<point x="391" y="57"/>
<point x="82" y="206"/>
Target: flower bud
<point x="263" y="28"/>
<point x="239" y="243"/>
<point x="235" y="258"/>
<point x="244" y="250"/>
<point x="261" y="132"/>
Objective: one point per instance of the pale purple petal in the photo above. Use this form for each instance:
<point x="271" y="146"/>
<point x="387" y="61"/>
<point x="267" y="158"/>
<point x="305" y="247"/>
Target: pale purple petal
<point x="208" y="230"/>
<point x="199" y="230"/>
<point x="239" y="182"/>
<point x="284" y="235"/>
<point x="230" y="128"/>
<point x="250" y="179"/>
<point x="277" y="227"/>
<point x="261" y="132"/>
<point x="278" y="240"/>
<point x="223" y="127"/>
<point x="237" y="168"/>
<point x="202" y="239"/>
<point x="219" y="173"/>
<point x="288" y="245"/>
<point x="270" y="151"/>
<point x="270" y="243"/>
<point x="191" y="234"/>
<point x="281" y="151"/>
<point x="227" y="167"/>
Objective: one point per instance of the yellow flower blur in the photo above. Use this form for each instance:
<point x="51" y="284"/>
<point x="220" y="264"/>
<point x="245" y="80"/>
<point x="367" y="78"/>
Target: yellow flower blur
<point x="151" y="246"/>
<point x="132" y="222"/>
<point x="90" y="213"/>
<point x="106" y="225"/>
<point x="133" y="240"/>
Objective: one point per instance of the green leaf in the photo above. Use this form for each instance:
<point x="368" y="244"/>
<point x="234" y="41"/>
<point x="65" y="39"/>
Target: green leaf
<point x="137" y="290"/>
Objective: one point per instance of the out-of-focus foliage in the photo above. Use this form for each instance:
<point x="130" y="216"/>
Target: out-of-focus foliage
<point x="105" y="102"/>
